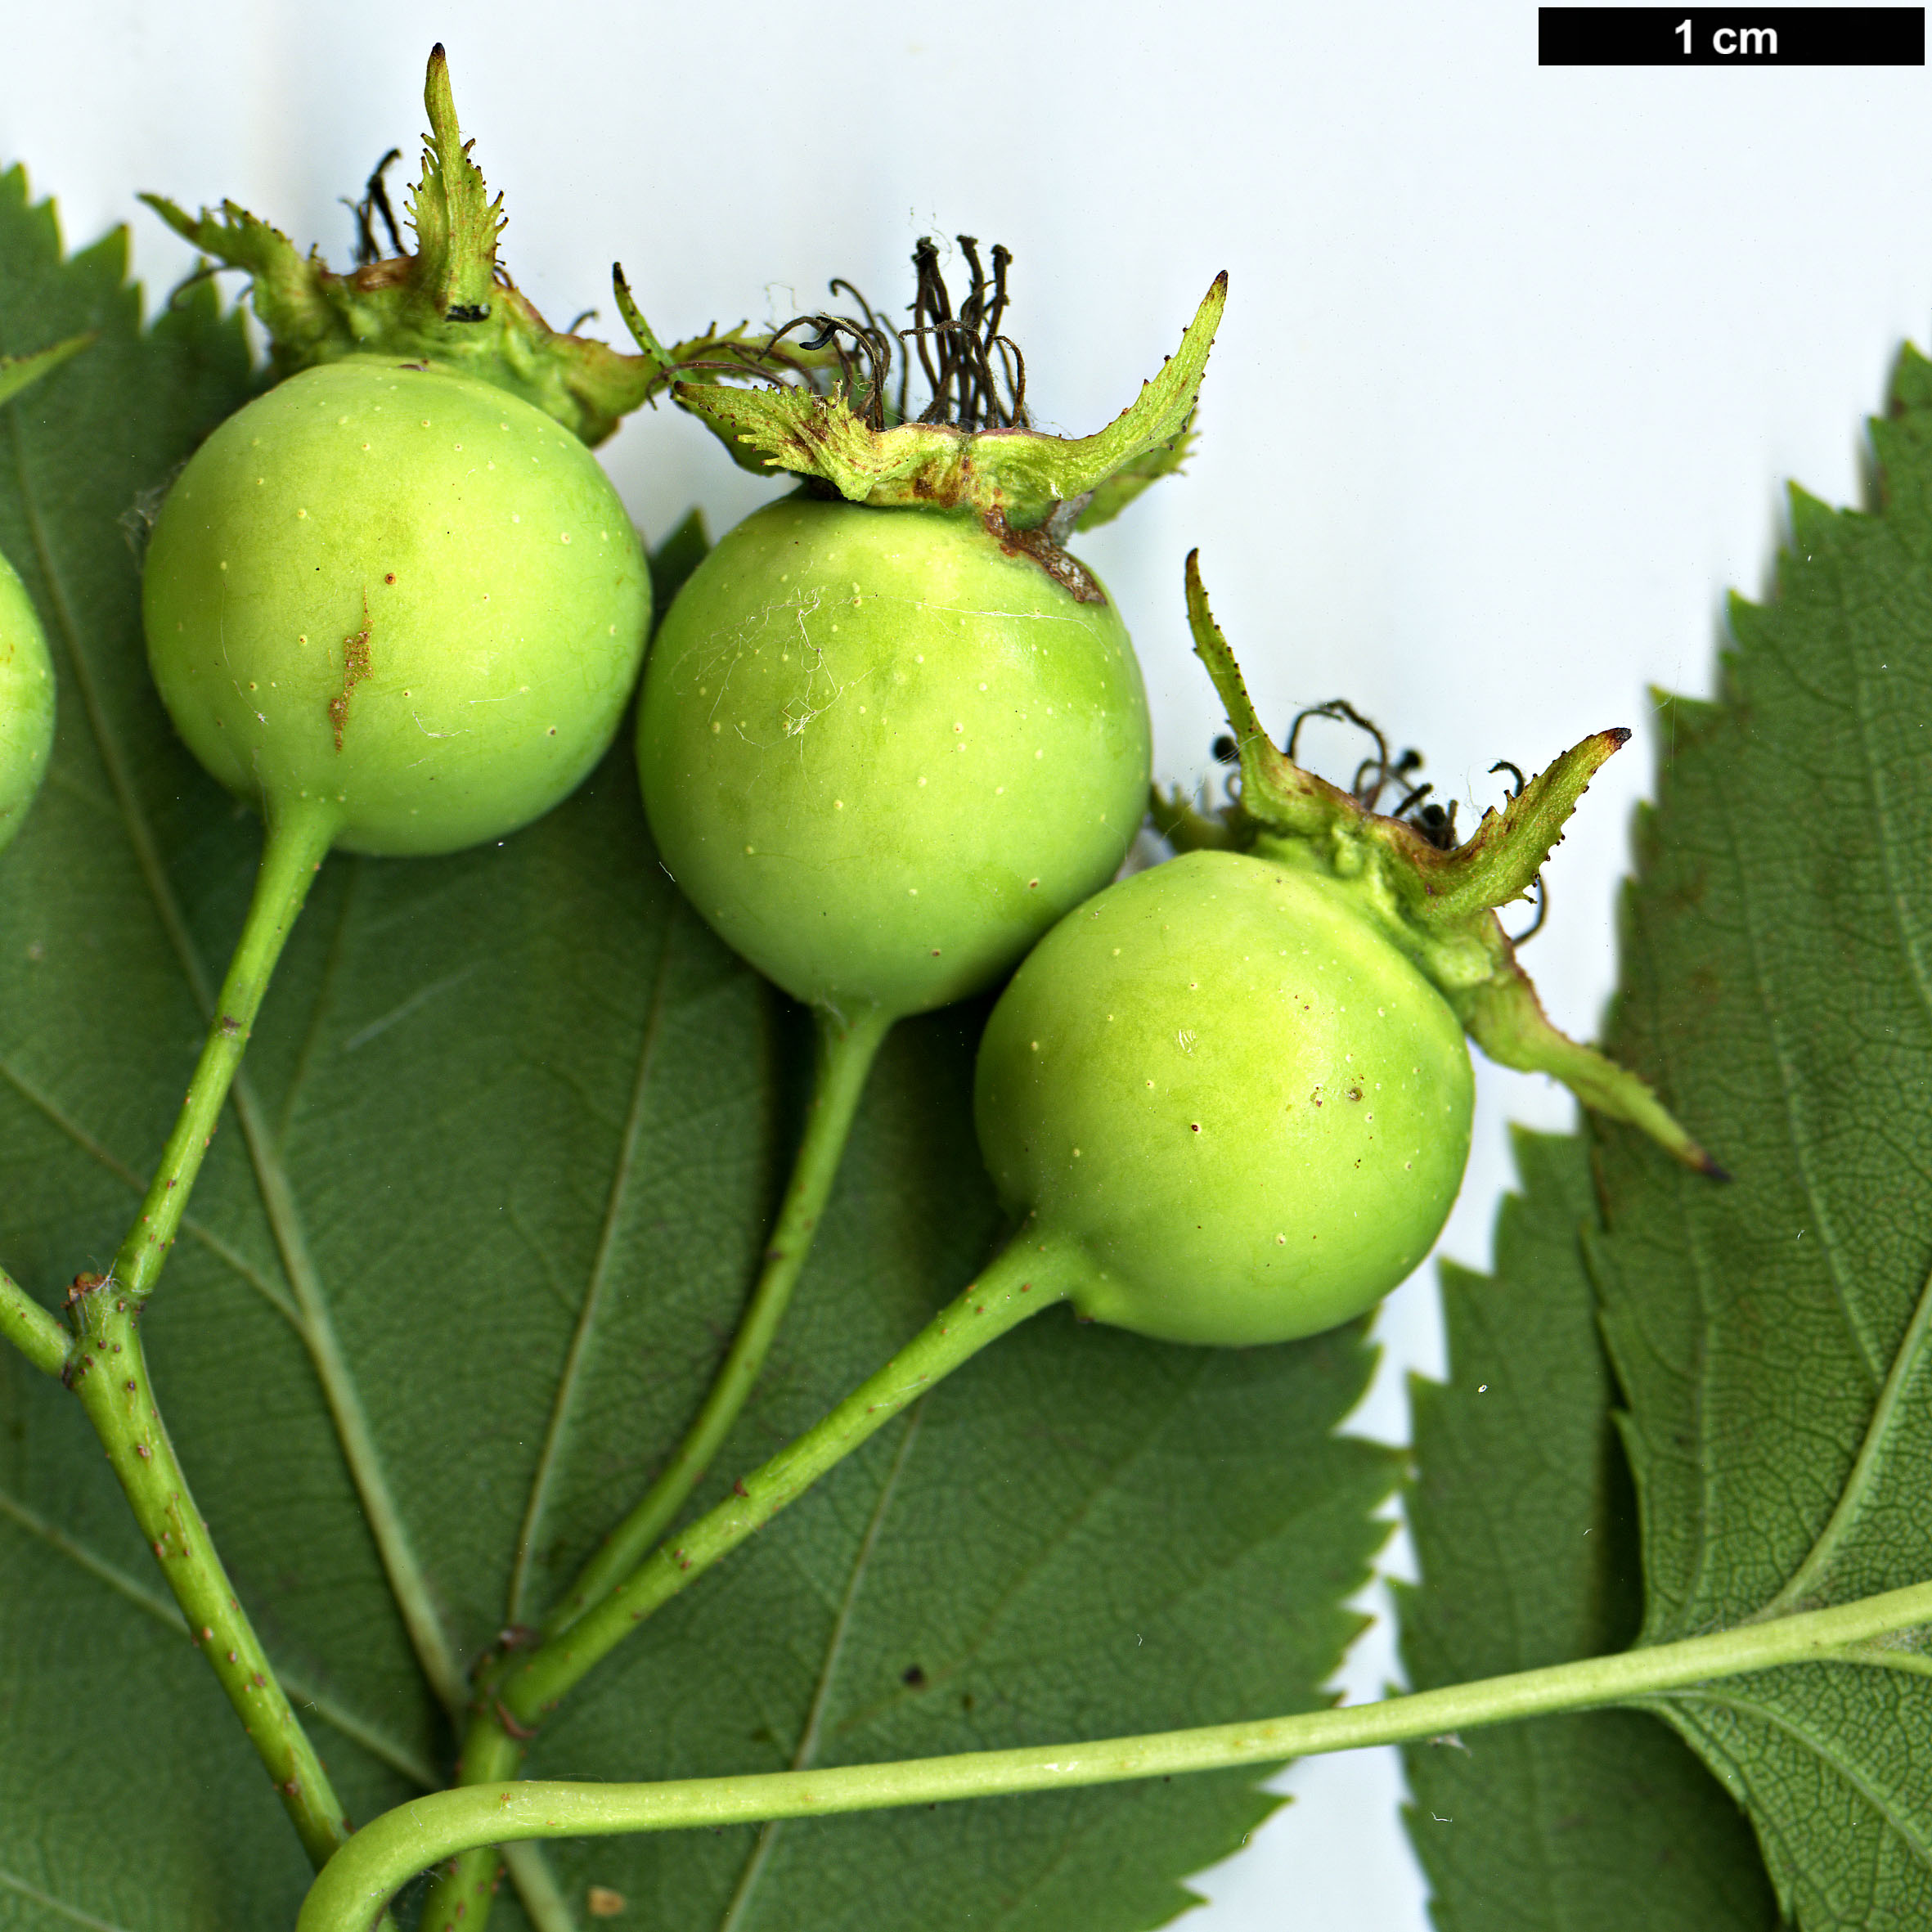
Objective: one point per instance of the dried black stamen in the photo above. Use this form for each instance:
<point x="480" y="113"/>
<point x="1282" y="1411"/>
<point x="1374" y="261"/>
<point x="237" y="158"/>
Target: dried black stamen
<point x="1375" y="774"/>
<point x="975" y="372"/>
<point x="375" y="201"/>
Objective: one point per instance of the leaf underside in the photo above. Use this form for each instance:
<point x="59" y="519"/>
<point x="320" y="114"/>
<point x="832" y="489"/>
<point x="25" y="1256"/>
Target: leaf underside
<point x="512" y="1127"/>
<point x="1770" y="1335"/>
<point x="1525" y="1530"/>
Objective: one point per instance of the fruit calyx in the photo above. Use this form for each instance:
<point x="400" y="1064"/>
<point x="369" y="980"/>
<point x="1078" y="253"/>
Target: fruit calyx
<point x="848" y="421"/>
<point x="451" y="304"/>
<point x="1436" y="901"/>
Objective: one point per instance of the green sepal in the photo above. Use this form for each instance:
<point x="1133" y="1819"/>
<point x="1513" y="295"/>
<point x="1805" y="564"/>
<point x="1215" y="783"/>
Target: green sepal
<point x="449" y="303"/>
<point x="1274" y="792"/>
<point x="1499" y="860"/>
<point x="1438" y="907"/>
<point x="1029" y="481"/>
<point x="1504" y="1017"/>
<point x="18" y="372"/>
<point x="1113" y="495"/>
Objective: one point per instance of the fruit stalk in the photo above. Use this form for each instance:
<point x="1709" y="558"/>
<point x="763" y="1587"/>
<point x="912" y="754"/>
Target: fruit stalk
<point x="1027" y="1276"/>
<point x="298" y="838"/>
<point x="846" y="1050"/>
<point x="108" y="1372"/>
<point x="31" y="1329"/>
<point x="382" y="1856"/>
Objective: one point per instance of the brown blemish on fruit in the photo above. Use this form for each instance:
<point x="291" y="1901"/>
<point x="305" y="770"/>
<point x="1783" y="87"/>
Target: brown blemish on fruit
<point x="355" y="667"/>
<point x="1061" y="566"/>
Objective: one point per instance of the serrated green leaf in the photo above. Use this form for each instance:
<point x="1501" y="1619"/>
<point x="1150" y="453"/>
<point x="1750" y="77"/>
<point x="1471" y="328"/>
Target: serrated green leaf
<point x="18" y="372"/>
<point x="1525" y="1530"/>
<point x="1771" y="1335"/>
<point x="496" y="1178"/>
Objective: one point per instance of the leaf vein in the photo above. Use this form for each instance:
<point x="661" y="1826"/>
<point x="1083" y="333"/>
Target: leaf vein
<point x="358" y="1729"/>
<point x="57" y="1117"/>
<point x="543" y="1476"/>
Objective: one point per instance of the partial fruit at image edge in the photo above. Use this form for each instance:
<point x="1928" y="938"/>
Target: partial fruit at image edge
<point x="26" y="704"/>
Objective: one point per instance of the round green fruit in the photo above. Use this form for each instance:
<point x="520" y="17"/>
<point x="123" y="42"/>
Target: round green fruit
<point x="401" y="592"/>
<point x="1248" y="1107"/>
<point x="882" y="752"/>
<point x="26" y="702"/>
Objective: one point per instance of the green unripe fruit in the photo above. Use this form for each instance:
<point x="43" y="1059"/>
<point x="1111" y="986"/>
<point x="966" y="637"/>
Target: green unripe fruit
<point x="26" y="702"/>
<point x="882" y="752"/>
<point x="401" y="591"/>
<point x="1248" y="1108"/>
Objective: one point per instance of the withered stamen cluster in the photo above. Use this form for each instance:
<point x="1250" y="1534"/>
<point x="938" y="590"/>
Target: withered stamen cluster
<point x="976" y="373"/>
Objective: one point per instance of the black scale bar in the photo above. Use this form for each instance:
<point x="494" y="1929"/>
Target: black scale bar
<point x="1731" y="36"/>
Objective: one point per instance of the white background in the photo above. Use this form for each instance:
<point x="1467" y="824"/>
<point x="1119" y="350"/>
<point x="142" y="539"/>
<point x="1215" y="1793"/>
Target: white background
<point x="1514" y="364"/>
